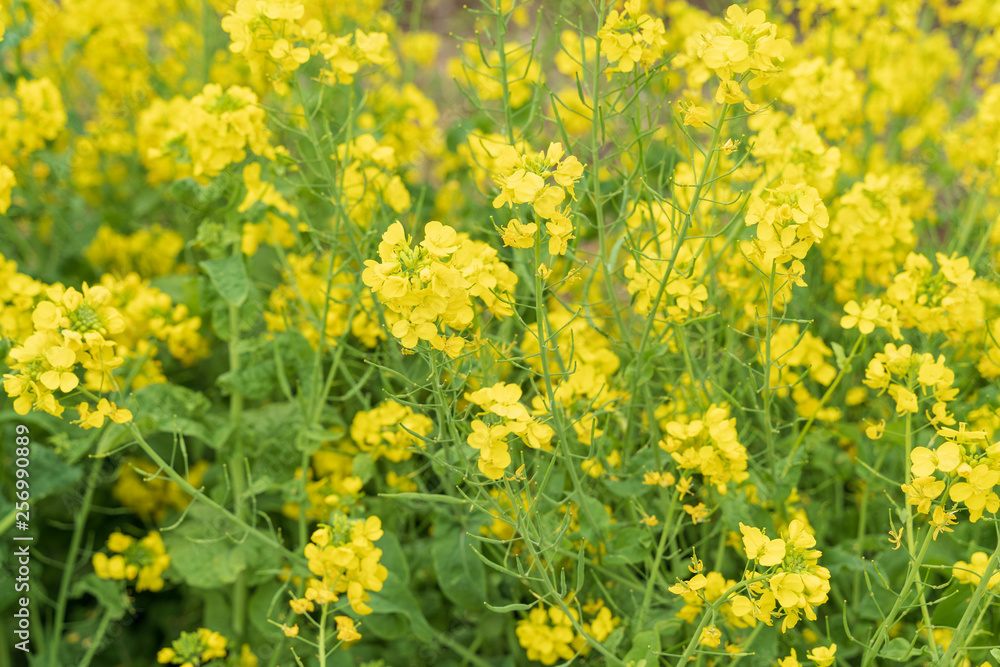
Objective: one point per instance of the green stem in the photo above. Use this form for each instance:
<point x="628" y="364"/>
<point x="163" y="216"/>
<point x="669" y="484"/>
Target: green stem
<point x="959" y="637"/>
<point x="713" y="607"/>
<point x="322" y="635"/>
<point x="236" y="469"/>
<point x="654" y="576"/>
<point x="595" y="159"/>
<point x="96" y="640"/>
<point x="505" y="88"/>
<point x="678" y="243"/>
<point x="201" y="497"/>
<point x="768" y="426"/>
<point x="882" y="634"/>
<point x="822" y="402"/>
<point x="69" y="566"/>
<point x="541" y="323"/>
<point x="537" y="560"/>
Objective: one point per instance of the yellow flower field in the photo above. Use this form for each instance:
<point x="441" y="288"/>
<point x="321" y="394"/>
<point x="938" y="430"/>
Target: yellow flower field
<point x="388" y="333"/>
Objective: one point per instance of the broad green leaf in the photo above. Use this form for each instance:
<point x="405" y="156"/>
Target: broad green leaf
<point x="50" y="474"/>
<point x="229" y="278"/>
<point x="363" y="466"/>
<point x="108" y="593"/>
<point x="395" y="602"/>
<point x="459" y="570"/>
<point x="630" y="545"/>
<point x="900" y="649"/>
<point x="206" y="550"/>
<point x="592" y="515"/>
<point x="645" y="646"/>
<point x="170" y="408"/>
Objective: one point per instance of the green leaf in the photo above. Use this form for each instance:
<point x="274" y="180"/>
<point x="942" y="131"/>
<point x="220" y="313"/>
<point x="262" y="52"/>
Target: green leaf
<point x="594" y="515"/>
<point x="363" y="466"/>
<point x="899" y="649"/>
<point x="204" y="551"/>
<point x="459" y="571"/>
<point x="630" y="545"/>
<point x="229" y="277"/>
<point x="50" y="474"/>
<point x="838" y="355"/>
<point x="392" y="607"/>
<point x="170" y="408"/>
<point x="645" y="646"/>
<point x="109" y="593"/>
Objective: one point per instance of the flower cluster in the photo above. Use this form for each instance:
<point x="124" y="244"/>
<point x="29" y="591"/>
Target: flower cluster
<point x="708" y="444"/>
<point x="796" y="584"/>
<point x="200" y="137"/>
<point x="871" y="215"/>
<point x="148" y="252"/>
<point x="971" y="573"/>
<point x="503" y="401"/>
<point x="370" y="178"/>
<point x="548" y="634"/>
<point x="331" y="487"/>
<point x="71" y="329"/>
<point x="387" y="431"/>
<point x="869" y="314"/>
<point x="149" y="495"/>
<point x="524" y="178"/>
<point x="194" y="648"/>
<point x="431" y="286"/>
<point x="308" y="292"/>
<point x="631" y="38"/>
<point x="748" y="44"/>
<point x="797" y="355"/>
<point x="971" y="468"/>
<point x="142" y="561"/>
<point x="789" y="221"/>
<point x="278" y="36"/>
<point x="945" y="300"/>
<point x="680" y="294"/>
<point x="344" y="557"/>
<point x="901" y="372"/>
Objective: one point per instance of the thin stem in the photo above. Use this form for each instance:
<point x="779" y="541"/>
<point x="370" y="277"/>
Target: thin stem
<point x="654" y="576"/>
<point x="97" y="639"/>
<point x="768" y="426"/>
<point x="882" y="634"/>
<point x="322" y="635"/>
<point x="678" y="243"/>
<point x="958" y="638"/>
<point x="822" y="402"/>
<point x="69" y="566"/>
<point x="236" y="468"/>
<point x="201" y="497"/>
<point x="710" y="612"/>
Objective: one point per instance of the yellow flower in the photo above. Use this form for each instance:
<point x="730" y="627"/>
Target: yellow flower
<point x="862" y="318"/>
<point x="290" y="631"/>
<point x="945" y="458"/>
<point x="345" y="629"/>
<point x="977" y="492"/>
<point x="823" y="656"/>
<point x="710" y="637"/>
<point x="765" y="551"/>
<point x="922" y="491"/>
